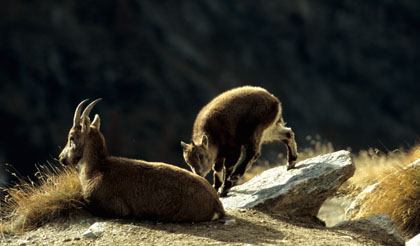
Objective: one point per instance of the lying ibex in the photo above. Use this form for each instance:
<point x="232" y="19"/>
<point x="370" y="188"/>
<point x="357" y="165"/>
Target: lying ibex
<point x="238" y="120"/>
<point x="119" y="187"/>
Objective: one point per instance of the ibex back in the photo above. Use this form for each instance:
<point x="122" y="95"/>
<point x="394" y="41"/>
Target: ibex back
<point x="235" y="122"/>
<point x="120" y="187"/>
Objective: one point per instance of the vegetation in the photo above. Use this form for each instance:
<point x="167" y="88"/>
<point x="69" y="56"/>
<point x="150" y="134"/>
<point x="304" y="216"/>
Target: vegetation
<point x="56" y="193"/>
<point x="373" y="165"/>
<point x="398" y="193"/>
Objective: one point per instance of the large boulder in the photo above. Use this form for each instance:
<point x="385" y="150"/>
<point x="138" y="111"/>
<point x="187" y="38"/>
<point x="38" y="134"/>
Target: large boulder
<point x="300" y="191"/>
<point x="379" y="227"/>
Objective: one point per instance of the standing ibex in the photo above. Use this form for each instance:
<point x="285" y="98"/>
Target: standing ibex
<point x="238" y="120"/>
<point x="116" y="186"/>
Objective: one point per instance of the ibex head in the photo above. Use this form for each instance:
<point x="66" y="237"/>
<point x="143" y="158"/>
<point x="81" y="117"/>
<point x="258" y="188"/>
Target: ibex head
<point x="78" y="135"/>
<point x="198" y="156"/>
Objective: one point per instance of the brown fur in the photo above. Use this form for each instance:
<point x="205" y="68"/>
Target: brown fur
<point x="235" y="122"/>
<point x="121" y="187"/>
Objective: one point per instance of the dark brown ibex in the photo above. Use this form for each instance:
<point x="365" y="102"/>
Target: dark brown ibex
<point x="236" y="121"/>
<point x="120" y="187"/>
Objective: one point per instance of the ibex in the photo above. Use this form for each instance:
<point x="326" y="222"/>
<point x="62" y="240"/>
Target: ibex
<point x="121" y="187"/>
<point x="236" y="121"/>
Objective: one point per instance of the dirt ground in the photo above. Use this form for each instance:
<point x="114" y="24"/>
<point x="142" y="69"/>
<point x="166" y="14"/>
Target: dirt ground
<point x="244" y="227"/>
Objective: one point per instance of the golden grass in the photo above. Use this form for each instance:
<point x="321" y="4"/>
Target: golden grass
<point x="57" y="192"/>
<point x="28" y="205"/>
<point x="398" y="192"/>
<point x="373" y="165"/>
<point x="398" y="196"/>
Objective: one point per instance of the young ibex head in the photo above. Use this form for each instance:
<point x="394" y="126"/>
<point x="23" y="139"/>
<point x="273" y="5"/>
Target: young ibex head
<point x="78" y="135"/>
<point x="198" y="156"/>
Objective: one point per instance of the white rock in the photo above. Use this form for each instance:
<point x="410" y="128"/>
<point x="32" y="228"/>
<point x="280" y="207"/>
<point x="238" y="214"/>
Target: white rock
<point x="230" y="222"/>
<point x="354" y="210"/>
<point x="89" y="234"/>
<point x="415" y="241"/>
<point x="300" y="191"/>
<point x="95" y="230"/>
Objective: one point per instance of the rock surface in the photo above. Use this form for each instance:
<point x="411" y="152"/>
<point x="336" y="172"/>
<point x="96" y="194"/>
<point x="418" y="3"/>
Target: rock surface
<point x="252" y="227"/>
<point x="95" y="230"/>
<point x="300" y="191"/>
<point x="415" y="241"/>
<point x="355" y="210"/>
<point x="381" y="224"/>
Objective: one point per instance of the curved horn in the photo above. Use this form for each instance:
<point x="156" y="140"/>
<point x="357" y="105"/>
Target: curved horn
<point x="89" y="107"/>
<point x="76" y="119"/>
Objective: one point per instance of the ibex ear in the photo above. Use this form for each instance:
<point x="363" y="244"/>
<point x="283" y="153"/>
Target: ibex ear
<point x="205" y="141"/>
<point x="184" y="145"/>
<point x="96" y="122"/>
<point x="85" y="123"/>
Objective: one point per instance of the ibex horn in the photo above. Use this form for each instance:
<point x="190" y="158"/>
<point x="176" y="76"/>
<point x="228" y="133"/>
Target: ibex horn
<point x="76" y="119"/>
<point x="89" y="107"/>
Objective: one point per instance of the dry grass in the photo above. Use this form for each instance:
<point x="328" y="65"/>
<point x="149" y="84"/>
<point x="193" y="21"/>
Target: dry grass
<point x="57" y="192"/>
<point x="27" y="205"/>
<point x="373" y="165"/>
<point x="398" y="195"/>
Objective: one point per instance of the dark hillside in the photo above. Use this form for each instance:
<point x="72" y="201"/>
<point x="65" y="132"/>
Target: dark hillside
<point x="347" y="70"/>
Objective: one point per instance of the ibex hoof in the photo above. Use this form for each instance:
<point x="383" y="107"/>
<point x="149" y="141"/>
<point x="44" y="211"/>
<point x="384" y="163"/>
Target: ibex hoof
<point x="292" y="166"/>
<point x="223" y="193"/>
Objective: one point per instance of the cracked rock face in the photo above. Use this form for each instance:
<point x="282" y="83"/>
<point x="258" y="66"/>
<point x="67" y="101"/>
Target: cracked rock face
<point x="300" y="191"/>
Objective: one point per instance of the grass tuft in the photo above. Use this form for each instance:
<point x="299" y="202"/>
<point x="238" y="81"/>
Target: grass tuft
<point x="57" y="192"/>
<point x="27" y="205"/>
<point x="398" y="196"/>
<point x="398" y="191"/>
<point x="373" y="165"/>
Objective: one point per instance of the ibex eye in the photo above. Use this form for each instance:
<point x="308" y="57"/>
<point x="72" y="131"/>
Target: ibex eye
<point x="71" y="138"/>
<point x="201" y="157"/>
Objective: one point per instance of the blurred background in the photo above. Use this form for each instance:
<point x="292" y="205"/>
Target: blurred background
<point x="347" y="71"/>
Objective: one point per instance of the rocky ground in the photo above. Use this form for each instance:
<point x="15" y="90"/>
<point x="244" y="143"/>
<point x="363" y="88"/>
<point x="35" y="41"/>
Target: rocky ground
<point x="240" y="227"/>
<point x="276" y="207"/>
